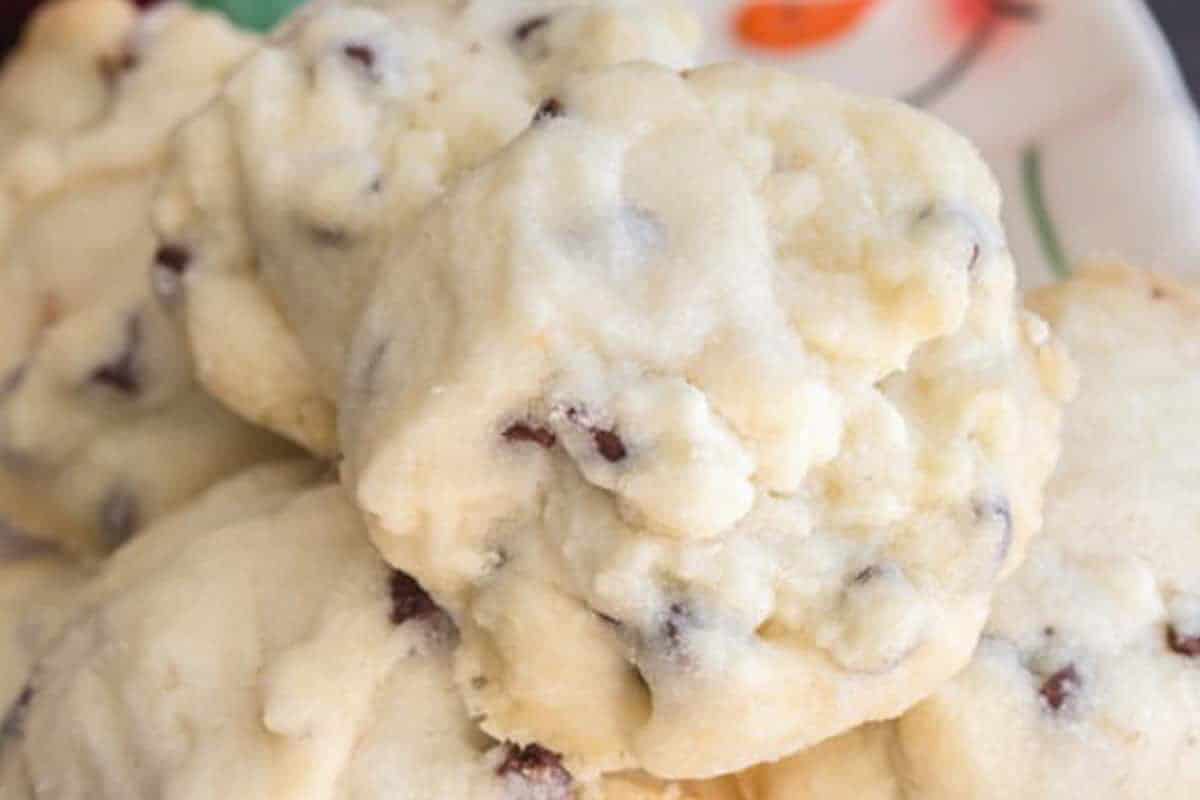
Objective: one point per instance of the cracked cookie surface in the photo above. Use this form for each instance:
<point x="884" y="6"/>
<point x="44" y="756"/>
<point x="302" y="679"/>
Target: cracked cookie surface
<point x="1087" y="680"/>
<point x="705" y="400"/>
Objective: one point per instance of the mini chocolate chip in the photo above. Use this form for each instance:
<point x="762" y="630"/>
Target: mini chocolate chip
<point x="121" y="374"/>
<point x="529" y="27"/>
<point x="867" y="575"/>
<point x="1060" y="686"/>
<point x="610" y="445"/>
<point x="173" y="258"/>
<point x="524" y="432"/>
<point x="539" y="767"/>
<point x="14" y="720"/>
<point x="409" y="600"/>
<point x="1157" y="293"/>
<point x="1183" y="645"/>
<point x="679" y="617"/>
<point x="119" y="517"/>
<point x="549" y="109"/>
<point x="360" y="53"/>
<point x="1049" y="631"/>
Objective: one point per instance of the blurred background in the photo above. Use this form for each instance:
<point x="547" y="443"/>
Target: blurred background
<point x="1179" y="18"/>
<point x="1181" y="21"/>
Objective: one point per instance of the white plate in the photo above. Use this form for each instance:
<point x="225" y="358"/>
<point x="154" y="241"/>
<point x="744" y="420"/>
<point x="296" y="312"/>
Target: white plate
<point x="1077" y="104"/>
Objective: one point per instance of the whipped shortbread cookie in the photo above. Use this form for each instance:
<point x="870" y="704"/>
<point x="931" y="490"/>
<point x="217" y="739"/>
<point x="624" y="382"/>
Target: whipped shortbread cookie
<point x="255" y="646"/>
<point x="1087" y="680"/>
<point x="707" y="410"/>
<point x="283" y="198"/>
<point x="102" y="425"/>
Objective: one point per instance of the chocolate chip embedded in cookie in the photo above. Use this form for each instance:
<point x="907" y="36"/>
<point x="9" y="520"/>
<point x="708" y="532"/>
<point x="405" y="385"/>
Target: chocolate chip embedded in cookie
<point x="645" y="353"/>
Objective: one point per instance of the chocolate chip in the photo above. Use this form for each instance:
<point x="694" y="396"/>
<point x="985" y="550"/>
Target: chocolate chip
<point x="409" y="600"/>
<point x="14" y="720"/>
<point x="679" y="618"/>
<point x="867" y="575"/>
<point x="361" y="54"/>
<point x="524" y="432"/>
<point x="170" y="262"/>
<point x="1049" y="631"/>
<point x="1060" y="686"/>
<point x="976" y="252"/>
<point x="610" y="445"/>
<point x="549" y="109"/>
<point x="1157" y="293"/>
<point x="121" y="374"/>
<point x="539" y="768"/>
<point x="1183" y="645"/>
<point x="173" y="258"/>
<point x="529" y="27"/>
<point x="119" y="517"/>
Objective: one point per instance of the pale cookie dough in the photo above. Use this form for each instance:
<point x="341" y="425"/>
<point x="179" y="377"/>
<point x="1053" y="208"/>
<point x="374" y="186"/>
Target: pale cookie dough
<point x="706" y="409"/>
<point x="102" y="426"/>
<point x="255" y="647"/>
<point x="1087" y="681"/>
<point x="36" y="592"/>
<point x="285" y="195"/>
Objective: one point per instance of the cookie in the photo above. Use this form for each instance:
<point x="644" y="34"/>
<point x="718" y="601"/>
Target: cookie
<point x="102" y="425"/>
<point x="256" y="646"/>
<point x="35" y="596"/>
<point x="707" y="411"/>
<point x="1087" y="680"/>
<point x="287" y="193"/>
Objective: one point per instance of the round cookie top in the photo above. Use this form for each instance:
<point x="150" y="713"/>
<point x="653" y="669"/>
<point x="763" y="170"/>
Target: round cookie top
<point x="287" y="193"/>
<point x="95" y="379"/>
<point x="255" y="646"/>
<point x="706" y="409"/>
<point x="1087" y="680"/>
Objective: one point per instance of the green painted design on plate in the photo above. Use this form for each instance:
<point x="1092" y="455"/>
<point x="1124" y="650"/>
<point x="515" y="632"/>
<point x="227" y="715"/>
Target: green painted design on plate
<point x="255" y="15"/>
<point x="1043" y="222"/>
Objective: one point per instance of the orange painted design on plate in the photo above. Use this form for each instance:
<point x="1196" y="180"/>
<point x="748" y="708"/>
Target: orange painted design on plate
<point x="798" y="24"/>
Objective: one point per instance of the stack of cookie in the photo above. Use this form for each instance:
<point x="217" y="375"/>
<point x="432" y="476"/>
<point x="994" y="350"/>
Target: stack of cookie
<point x="479" y="400"/>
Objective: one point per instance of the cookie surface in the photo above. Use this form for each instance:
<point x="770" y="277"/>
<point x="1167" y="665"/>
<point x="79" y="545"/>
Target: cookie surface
<point x="102" y="426"/>
<point x="284" y="197"/>
<point x="255" y="646"/>
<point x="1087" y="680"/>
<point x="706" y="410"/>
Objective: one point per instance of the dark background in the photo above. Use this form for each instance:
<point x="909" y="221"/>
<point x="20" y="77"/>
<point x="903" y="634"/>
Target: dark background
<point x="1180" y="19"/>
